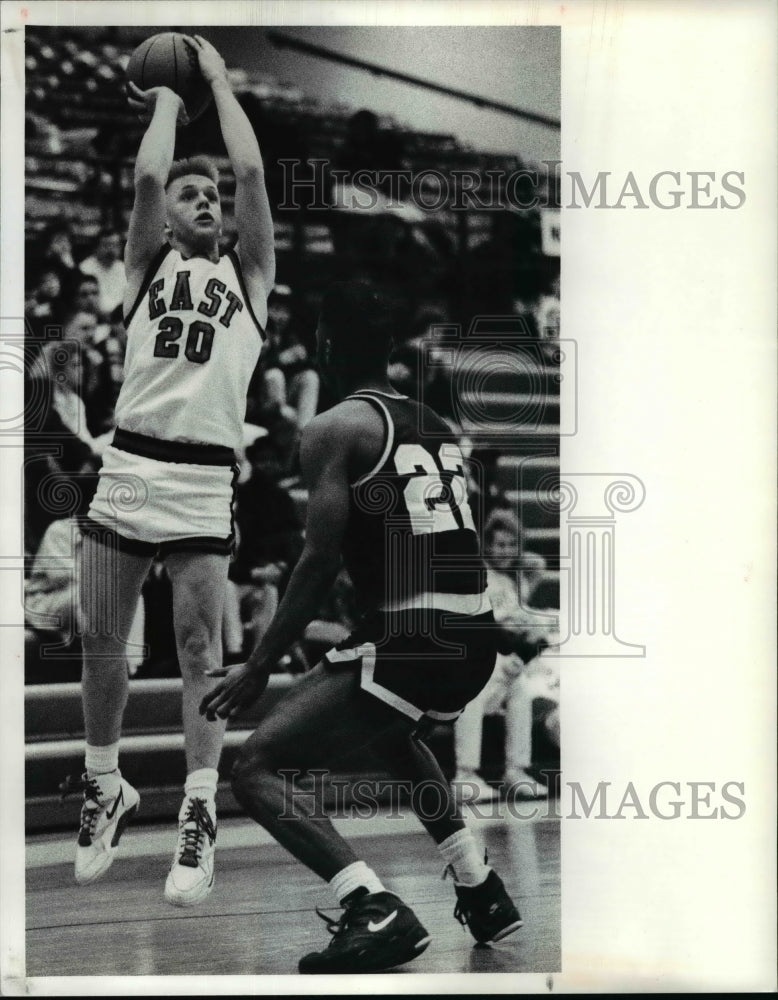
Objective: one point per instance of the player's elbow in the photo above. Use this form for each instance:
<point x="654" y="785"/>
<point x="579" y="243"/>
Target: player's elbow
<point x="150" y="176"/>
<point x="248" y="171"/>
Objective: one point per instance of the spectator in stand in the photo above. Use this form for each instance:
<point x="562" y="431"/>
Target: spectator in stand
<point x="86" y="297"/>
<point x="106" y="265"/>
<point x="547" y="317"/>
<point x="56" y="252"/>
<point x="289" y="378"/>
<point x="270" y="539"/>
<point x="51" y="591"/>
<point x="72" y="375"/>
<point x="106" y="343"/>
<point x="53" y="449"/>
<point x="43" y="302"/>
<point x="521" y="673"/>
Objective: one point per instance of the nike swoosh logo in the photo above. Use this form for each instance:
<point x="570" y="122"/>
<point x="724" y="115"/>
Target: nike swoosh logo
<point x="383" y="923"/>
<point x="110" y="813"/>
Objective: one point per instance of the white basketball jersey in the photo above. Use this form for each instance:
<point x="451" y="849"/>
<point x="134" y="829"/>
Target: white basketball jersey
<point x="192" y="345"/>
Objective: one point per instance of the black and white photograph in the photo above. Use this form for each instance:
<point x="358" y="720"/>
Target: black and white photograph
<point x="389" y="439"/>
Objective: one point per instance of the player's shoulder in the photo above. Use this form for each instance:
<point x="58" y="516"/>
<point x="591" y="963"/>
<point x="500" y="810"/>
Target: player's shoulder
<point x="339" y="430"/>
<point x="342" y="420"/>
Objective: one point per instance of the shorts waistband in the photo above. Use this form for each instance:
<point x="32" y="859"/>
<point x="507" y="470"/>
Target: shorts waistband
<point x="463" y="604"/>
<point x="172" y="451"/>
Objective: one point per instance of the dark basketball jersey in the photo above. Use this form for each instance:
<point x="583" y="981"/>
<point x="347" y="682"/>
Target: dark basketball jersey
<point x="410" y="529"/>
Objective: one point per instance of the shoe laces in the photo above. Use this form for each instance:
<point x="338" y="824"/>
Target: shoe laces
<point x="90" y="809"/>
<point x="336" y="927"/>
<point x="195" y="825"/>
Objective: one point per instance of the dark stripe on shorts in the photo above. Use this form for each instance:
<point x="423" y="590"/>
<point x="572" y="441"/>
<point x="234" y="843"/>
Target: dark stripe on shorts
<point x="133" y="546"/>
<point x="109" y="536"/>
<point x="151" y="270"/>
<point x="172" y="451"/>
<point x="199" y="543"/>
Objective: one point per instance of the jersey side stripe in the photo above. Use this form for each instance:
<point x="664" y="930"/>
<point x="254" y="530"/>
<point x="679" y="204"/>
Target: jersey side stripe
<point x="151" y="270"/>
<point x="241" y="282"/>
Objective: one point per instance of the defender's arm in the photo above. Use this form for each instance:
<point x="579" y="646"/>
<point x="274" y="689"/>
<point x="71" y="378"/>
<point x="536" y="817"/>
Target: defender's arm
<point x="324" y="461"/>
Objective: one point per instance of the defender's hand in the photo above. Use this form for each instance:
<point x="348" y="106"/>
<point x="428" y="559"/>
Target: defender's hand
<point x="144" y="102"/>
<point x="211" y="63"/>
<point x="240" y="688"/>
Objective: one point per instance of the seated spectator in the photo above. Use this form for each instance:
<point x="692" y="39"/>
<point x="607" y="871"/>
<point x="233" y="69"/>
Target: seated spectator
<point x="43" y="302"/>
<point x="106" y="265"/>
<point x="270" y="539"/>
<point x="521" y="673"/>
<point x="289" y="377"/>
<point x="106" y="344"/>
<point x="73" y="365"/>
<point x="56" y="253"/>
<point x="547" y="319"/>
<point x="51" y="601"/>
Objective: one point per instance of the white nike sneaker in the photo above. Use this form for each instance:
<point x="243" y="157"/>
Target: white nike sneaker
<point x="109" y="804"/>
<point x="191" y="875"/>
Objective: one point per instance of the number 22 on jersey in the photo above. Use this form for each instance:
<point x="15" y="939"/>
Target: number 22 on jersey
<point x="432" y="502"/>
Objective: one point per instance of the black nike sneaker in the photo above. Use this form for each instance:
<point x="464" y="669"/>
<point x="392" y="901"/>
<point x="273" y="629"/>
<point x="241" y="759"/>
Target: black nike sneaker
<point x="375" y="932"/>
<point x="487" y="910"/>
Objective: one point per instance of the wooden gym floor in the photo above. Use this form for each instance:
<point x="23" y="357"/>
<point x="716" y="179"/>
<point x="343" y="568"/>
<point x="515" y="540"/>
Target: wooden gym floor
<point x="260" y="916"/>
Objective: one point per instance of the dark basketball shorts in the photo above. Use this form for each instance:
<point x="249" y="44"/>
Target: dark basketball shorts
<point x="421" y="662"/>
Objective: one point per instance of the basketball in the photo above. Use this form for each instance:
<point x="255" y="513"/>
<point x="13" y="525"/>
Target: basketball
<point x="167" y="60"/>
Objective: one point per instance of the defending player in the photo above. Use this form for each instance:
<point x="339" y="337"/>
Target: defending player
<point x="393" y="500"/>
<point x="195" y="324"/>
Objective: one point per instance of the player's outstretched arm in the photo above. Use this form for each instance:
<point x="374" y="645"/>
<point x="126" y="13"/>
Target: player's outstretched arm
<point x="162" y="108"/>
<point x="324" y="454"/>
<point x="256" y="246"/>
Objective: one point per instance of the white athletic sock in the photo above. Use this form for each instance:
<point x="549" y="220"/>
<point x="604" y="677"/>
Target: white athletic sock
<point x="201" y="784"/>
<point x="355" y="876"/>
<point x="101" y="760"/>
<point x="464" y="855"/>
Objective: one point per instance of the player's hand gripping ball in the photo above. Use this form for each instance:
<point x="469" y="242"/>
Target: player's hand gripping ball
<point x="171" y="60"/>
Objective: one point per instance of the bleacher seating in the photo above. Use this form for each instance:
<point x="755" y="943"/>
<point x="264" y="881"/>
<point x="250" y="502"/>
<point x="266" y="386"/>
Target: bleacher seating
<point x="153" y="749"/>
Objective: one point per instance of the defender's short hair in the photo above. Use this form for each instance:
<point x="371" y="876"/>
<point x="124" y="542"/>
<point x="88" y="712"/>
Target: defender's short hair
<point x="358" y="320"/>
<point x="200" y="165"/>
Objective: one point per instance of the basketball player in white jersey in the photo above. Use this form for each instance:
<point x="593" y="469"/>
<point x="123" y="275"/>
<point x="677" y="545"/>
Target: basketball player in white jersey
<point x="195" y="325"/>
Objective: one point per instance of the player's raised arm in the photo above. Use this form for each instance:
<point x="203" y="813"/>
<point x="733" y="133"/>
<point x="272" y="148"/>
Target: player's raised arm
<point x="256" y="247"/>
<point x="163" y="109"/>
